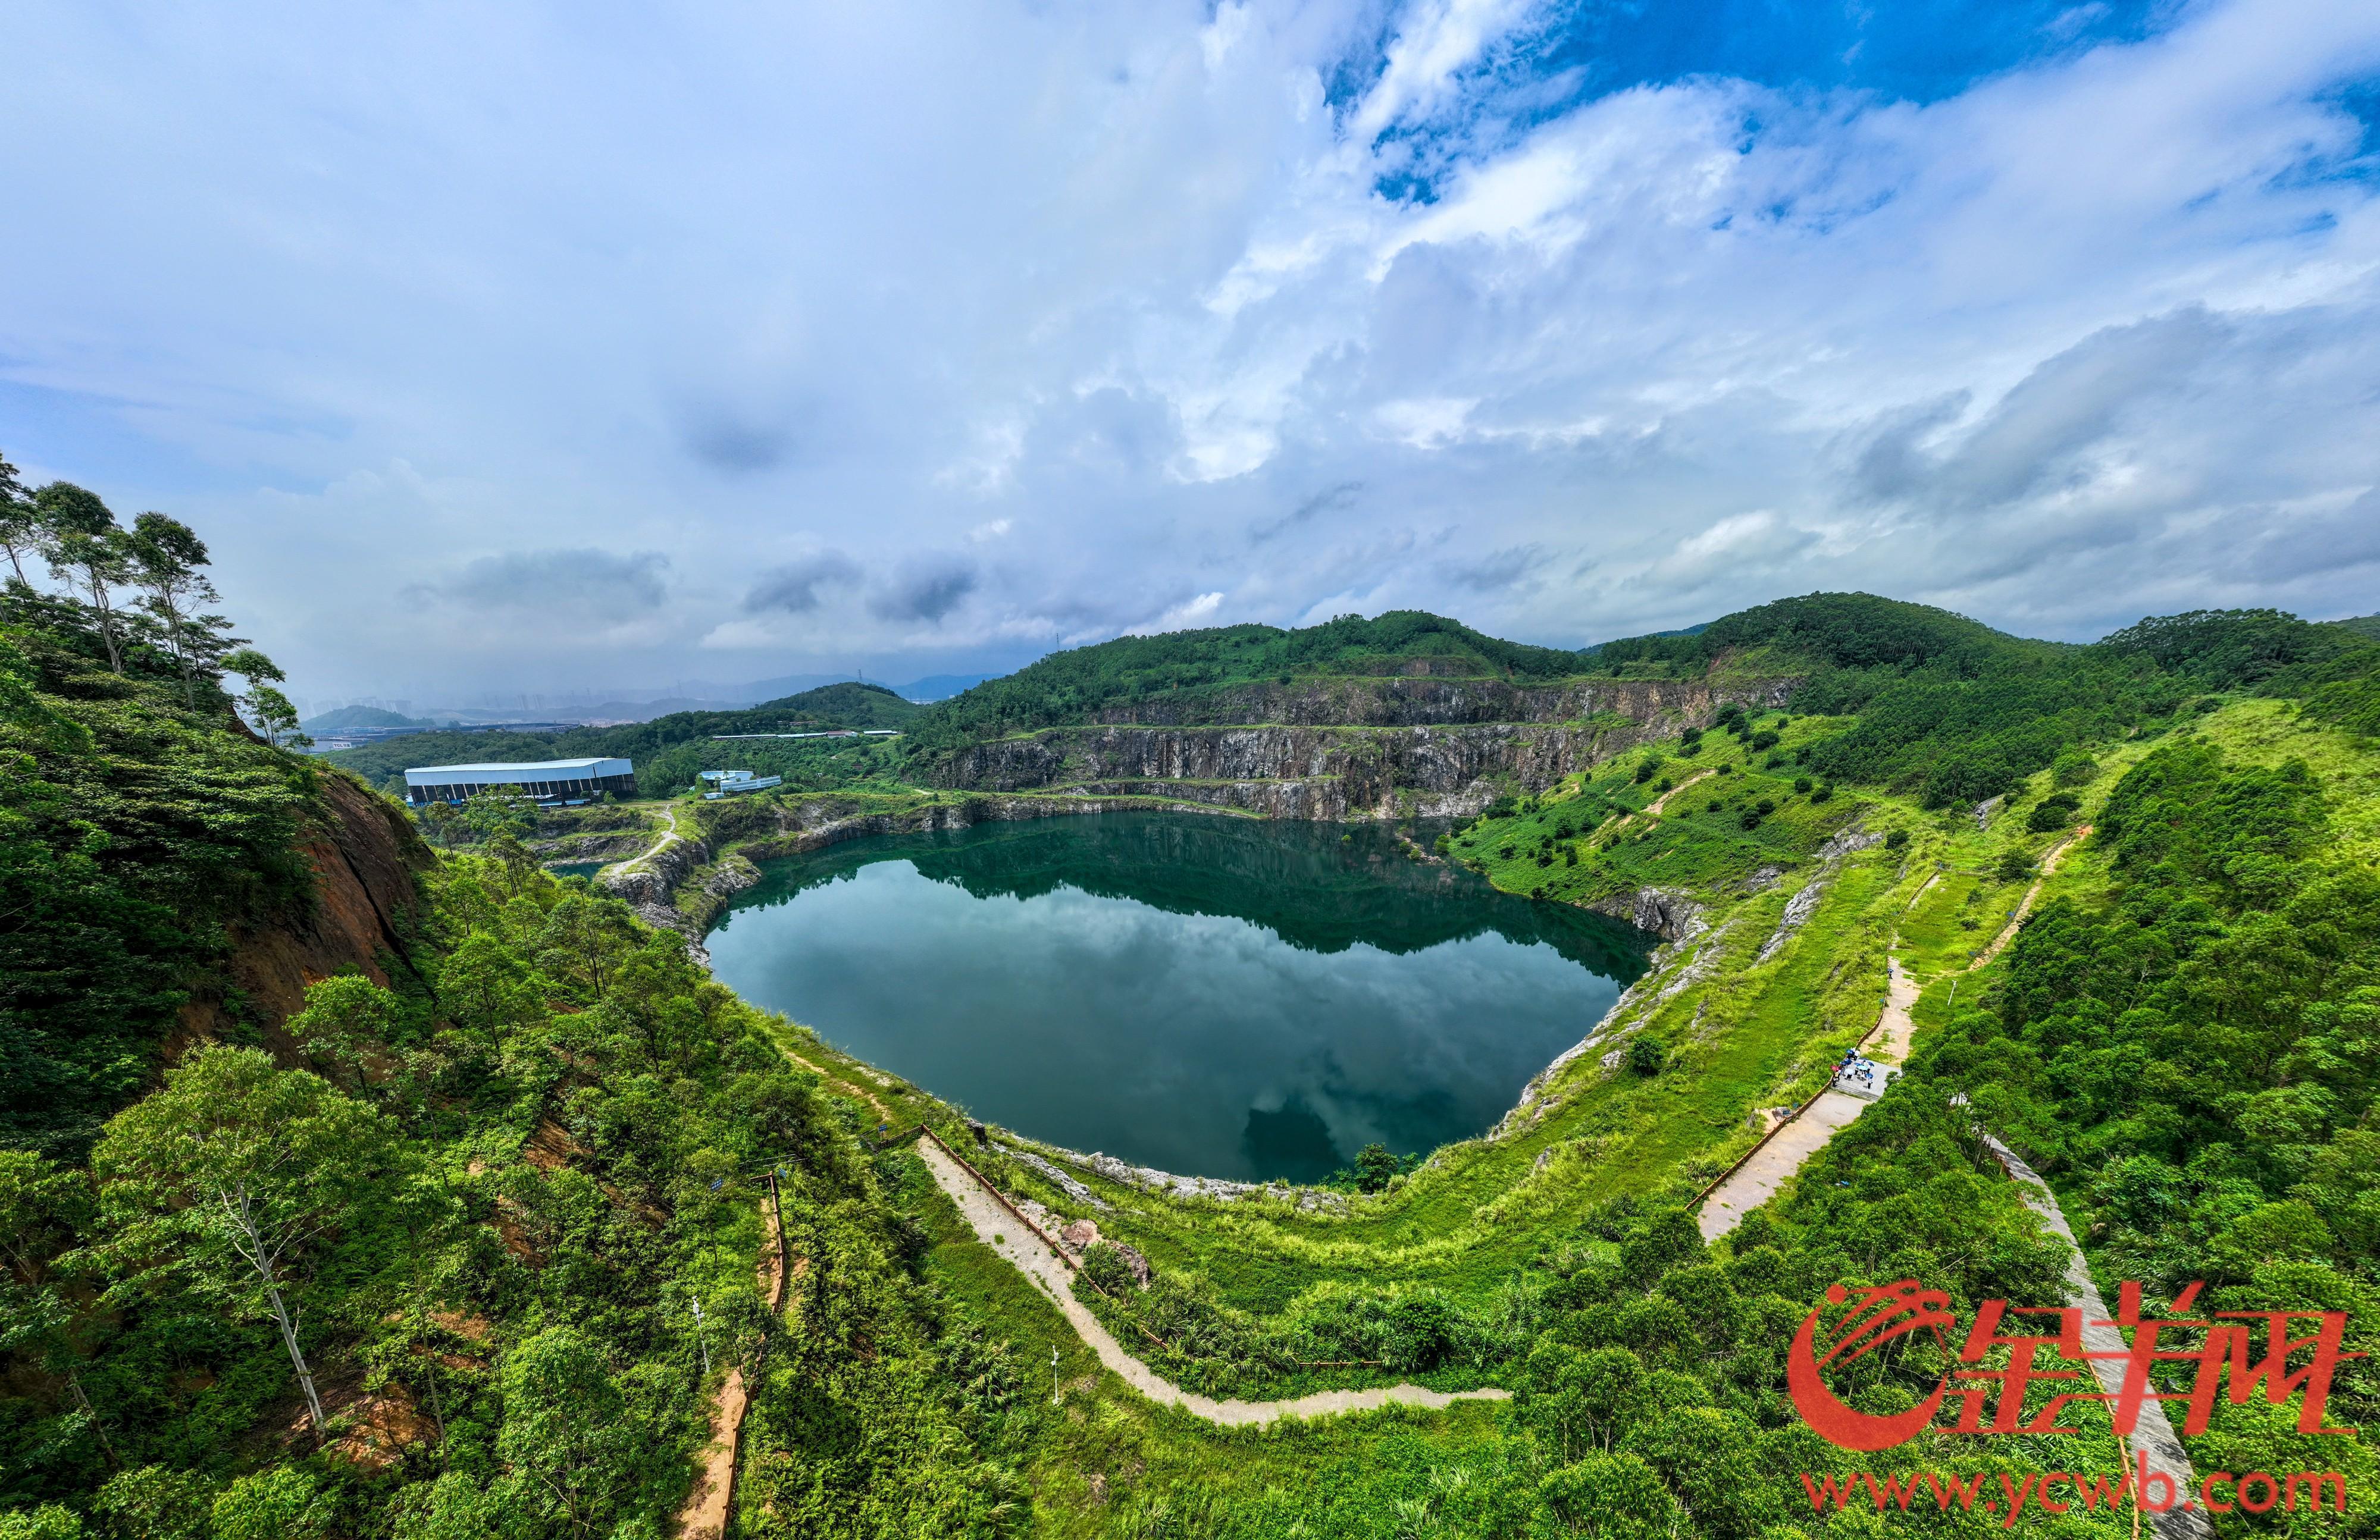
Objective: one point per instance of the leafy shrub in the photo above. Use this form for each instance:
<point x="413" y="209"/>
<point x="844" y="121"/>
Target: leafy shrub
<point x="1896" y="838"/>
<point x="1646" y="1056"/>
<point x="1802" y="784"/>
<point x="1106" y="1267"/>
<point x="2055" y="811"/>
<point x="2074" y="768"/>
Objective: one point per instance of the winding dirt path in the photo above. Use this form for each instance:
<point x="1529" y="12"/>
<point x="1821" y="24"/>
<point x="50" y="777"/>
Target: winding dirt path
<point x="999" y="1230"/>
<point x="704" y="1517"/>
<point x="668" y="836"/>
<point x="1652" y="808"/>
<point x="2016" y="921"/>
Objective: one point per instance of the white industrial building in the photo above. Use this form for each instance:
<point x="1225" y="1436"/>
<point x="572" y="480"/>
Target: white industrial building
<point x="560" y="781"/>
<point x="729" y="783"/>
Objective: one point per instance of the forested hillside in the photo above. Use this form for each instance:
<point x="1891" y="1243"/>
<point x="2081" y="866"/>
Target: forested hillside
<point x="668" y="751"/>
<point x="460" y="1247"/>
<point x="353" y="1189"/>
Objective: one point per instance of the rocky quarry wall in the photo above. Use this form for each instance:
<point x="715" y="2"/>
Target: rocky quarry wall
<point x="1424" y="751"/>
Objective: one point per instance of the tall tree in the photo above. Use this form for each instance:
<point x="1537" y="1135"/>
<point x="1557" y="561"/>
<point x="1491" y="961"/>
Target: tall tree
<point x="86" y="552"/>
<point x="42" y="1206"/>
<point x="266" y="707"/>
<point x="234" y="1174"/>
<point x="168" y="559"/>
<point x="20" y="522"/>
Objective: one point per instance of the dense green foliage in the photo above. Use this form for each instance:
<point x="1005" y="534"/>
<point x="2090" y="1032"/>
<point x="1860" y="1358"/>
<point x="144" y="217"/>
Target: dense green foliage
<point x="668" y="751"/>
<point x="423" y="1262"/>
<point x="525" y="1174"/>
<point x="2200" y="1051"/>
<point x="1073" y="686"/>
<point x="138" y="823"/>
<point x="1830" y="630"/>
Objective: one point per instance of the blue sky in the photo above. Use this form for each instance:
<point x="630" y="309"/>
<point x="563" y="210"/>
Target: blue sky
<point x="549" y="348"/>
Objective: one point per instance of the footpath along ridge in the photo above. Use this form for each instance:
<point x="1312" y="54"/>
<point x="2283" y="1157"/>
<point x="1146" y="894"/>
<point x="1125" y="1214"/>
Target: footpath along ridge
<point x="1774" y="1161"/>
<point x="1048" y="1269"/>
<point x="705" y="1515"/>
<point x="1771" y="1163"/>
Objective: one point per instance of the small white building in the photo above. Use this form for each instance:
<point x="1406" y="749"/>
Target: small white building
<point x="556" y="781"/>
<point x="729" y="783"/>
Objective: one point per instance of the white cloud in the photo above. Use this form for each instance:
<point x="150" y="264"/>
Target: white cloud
<point x="1036" y="324"/>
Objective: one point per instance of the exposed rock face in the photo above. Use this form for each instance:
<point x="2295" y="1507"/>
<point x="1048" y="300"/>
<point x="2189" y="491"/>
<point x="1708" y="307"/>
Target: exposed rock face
<point x="1802" y="904"/>
<point x="1419" y="699"/>
<point x="1350" y="748"/>
<point x="1065" y="1183"/>
<point x="365" y="857"/>
<point x="1669" y="915"/>
<point x="652" y="880"/>
<point x="1080" y="1236"/>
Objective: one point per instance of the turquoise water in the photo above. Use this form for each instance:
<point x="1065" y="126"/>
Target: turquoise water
<point x="576" y="869"/>
<point x="1217" y="996"/>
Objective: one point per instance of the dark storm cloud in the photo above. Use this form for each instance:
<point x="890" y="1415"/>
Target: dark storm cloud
<point x="926" y="588"/>
<point x="794" y="588"/>
<point x="584" y="581"/>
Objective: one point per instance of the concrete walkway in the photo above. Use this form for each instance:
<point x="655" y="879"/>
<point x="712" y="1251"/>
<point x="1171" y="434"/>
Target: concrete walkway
<point x="999" y="1230"/>
<point x="1773" y="1163"/>
<point x="2153" y="1437"/>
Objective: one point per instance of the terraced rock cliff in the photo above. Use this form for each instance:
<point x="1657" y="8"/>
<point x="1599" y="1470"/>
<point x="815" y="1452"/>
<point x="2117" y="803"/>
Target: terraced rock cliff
<point x="1348" y="748"/>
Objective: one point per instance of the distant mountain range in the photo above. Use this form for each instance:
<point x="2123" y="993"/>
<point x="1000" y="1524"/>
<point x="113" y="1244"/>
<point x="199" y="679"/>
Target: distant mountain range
<point x="629" y="705"/>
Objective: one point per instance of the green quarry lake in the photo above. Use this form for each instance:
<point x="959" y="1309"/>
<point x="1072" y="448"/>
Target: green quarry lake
<point x="1213" y="996"/>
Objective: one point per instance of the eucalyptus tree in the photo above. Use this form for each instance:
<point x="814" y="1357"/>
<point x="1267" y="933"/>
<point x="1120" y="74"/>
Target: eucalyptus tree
<point x="266" y="707"/>
<point x="168" y="561"/>
<point x="235" y="1176"/>
<point x="20" y="522"/>
<point x="88" y="552"/>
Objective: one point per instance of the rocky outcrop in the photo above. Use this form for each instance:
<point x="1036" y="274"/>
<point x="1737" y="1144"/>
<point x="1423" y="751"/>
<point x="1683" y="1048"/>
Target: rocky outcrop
<point x="1058" y="1179"/>
<point x="1346" y="748"/>
<point x="1665" y="912"/>
<point x="651" y="880"/>
<point x="1423" y="698"/>
<point x="361" y="916"/>
<point x="1308" y="1199"/>
<point x="1313" y="773"/>
<point x="1803" y="903"/>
